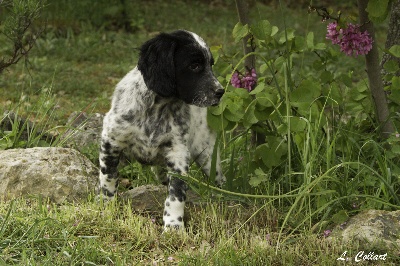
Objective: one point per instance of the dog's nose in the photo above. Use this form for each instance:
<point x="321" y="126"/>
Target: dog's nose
<point x="219" y="93"/>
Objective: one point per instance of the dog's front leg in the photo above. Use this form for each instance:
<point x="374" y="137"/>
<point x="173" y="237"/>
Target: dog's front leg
<point x="177" y="162"/>
<point x="109" y="159"/>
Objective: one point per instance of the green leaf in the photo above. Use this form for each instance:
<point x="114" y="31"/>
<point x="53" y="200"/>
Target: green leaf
<point x="340" y="217"/>
<point x="279" y="62"/>
<point x="259" y="177"/>
<point x="272" y="151"/>
<point x="346" y="80"/>
<point x="261" y="30"/>
<point x="217" y="123"/>
<point x="377" y="8"/>
<point x="250" y="118"/>
<point x="395" y="50"/>
<point x="233" y="114"/>
<point x="396" y="82"/>
<point x="297" y="124"/>
<point x="259" y="88"/>
<point x="320" y="46"/>
<point x="240" y="31"/>
<point x="286" y="37"/>
<point x="391" y="66"/>
<point x="306" y="92"/>
<point x="326" y="76"/>
<point x="299" y="43"/>
<point x="266" y="99"/>
<point x="263" y="68"/>
<point x="275" y="30"/>
<point x="263" y="115"/>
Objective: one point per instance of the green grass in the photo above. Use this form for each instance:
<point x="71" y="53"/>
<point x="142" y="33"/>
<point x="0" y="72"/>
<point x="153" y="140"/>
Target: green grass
<point x="36" y="232"/>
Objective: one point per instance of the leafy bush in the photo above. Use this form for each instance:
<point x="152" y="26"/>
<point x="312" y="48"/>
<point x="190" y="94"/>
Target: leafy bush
<point x="319" y="127"/>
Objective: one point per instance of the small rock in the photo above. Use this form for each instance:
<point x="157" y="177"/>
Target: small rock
<point x="56" y="173"/>
<point x="146" y="198"/>
<point x="373" y="227"/>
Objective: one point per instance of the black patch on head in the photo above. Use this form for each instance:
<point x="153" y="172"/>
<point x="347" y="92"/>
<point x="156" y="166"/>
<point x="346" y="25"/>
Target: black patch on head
<point x="180" y="218"/>
<point x="156" y="61"/>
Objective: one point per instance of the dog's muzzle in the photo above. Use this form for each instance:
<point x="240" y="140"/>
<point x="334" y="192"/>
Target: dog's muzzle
<point x="218" y="95"/>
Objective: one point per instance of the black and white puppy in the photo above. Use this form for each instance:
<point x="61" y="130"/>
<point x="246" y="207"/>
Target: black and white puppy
<point x="158" y="116"/>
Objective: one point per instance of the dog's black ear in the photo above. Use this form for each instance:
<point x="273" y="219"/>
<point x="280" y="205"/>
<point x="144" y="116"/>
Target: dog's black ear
<point x="156" y="63"/>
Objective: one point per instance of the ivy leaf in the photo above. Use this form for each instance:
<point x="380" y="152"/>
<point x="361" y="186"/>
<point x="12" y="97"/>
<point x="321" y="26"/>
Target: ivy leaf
<point x="306" y="92"/>
<point x="250" y="118"/>
<point x="320" y="46"/>
<point x="271" y="152"/>
<point x="377" y="10"/>
<point x="275" y="30"/>
<point x="340" y="217"/>
<point x="261" y="30"/>
<point x="240" y="31"/>
<point x="286" y="36"/>
<point x="233" y="114"/>
<point x="391" y="66"/>
<point x="259" y="88"/>
<point x="266" y="99"/>
<point x="219" y="109"/>
<point x="346" y="80"/>
<point x="395" y="50"/>
<point x="297" y="124"/>
<point x="326" y="77"/>
<point x="217" y="123"/>
<point x="259" y="177"/>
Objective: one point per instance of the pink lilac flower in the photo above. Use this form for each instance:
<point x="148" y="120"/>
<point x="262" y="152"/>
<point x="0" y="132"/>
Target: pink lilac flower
<point x="333" y="33"/>
<point x="236" y="80"/>
<point x="351" y="40"/>
<point x="247" y="81"/>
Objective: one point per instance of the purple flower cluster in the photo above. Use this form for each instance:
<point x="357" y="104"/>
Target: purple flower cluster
<point x="351" y="40"/>
<point x="247" y="81"/>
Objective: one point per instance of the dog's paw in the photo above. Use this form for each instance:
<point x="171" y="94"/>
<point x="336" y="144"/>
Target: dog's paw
<point x="173" y="226"/>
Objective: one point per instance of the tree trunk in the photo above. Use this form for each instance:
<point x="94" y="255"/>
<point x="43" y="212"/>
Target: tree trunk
<point x="374" y="74"/>
<point x="393" y="36"/>
<point x="250" y="61"/>
<point x="243" y="12"/>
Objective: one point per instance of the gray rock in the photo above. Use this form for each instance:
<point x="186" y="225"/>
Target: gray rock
<point x="148" y="198"/>
<point x="56" y="173"/>
<point x="374" y="227"/>
<point x="151" y="198"/>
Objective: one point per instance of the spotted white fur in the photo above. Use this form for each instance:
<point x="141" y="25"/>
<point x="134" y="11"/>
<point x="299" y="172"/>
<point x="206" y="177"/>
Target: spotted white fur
<point x="158" y="128"/>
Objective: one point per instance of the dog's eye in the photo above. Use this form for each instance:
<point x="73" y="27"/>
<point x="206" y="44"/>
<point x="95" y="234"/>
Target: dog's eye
<point x="195" y="67"/>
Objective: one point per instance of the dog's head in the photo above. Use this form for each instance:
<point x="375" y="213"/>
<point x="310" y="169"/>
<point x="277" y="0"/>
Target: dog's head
<point x="179" y="64"/>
